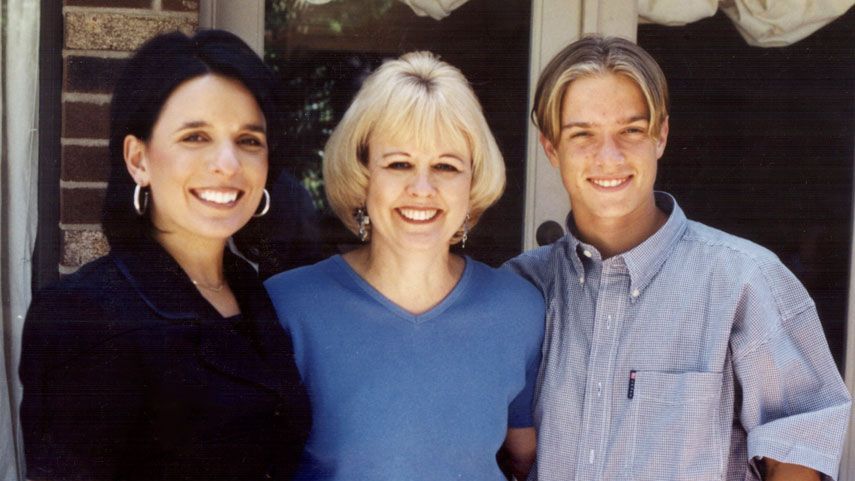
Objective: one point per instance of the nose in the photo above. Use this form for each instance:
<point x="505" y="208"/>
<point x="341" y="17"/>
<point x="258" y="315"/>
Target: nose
<point x="609" y="151"/>
<point x="421" y="184"/>
<point x="226" y="160"/>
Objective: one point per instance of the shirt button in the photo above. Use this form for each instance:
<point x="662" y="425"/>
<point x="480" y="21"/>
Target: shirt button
<point x="587" y="253"/>
<point x="635" y="293"/>
<point x="599" y="389"/>
<point x="581" y="279"/>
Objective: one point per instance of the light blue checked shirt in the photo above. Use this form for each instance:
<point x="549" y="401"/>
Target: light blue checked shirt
<point x="679" y="360"/>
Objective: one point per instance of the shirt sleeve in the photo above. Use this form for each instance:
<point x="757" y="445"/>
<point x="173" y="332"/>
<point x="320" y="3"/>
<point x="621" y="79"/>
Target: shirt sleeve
<point x="82" y="396"/>
<point x="795" y="406"/>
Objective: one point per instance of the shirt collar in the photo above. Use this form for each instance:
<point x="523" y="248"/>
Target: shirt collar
<point x="164" y="285"/>
<point x="644" y="260"/>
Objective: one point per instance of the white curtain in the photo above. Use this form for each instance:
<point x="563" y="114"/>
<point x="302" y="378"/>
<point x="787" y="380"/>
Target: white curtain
<point x="762" y="23"/>
<point x="19" y="47"/>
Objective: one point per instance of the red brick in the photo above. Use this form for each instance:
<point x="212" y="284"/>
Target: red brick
<point x="83" y="120"/>
<point x="85" y="164"/>
<point x="181" y="5"/>
<point x="81" y="206"/>
<point x="91" y="74"/>
<point x="108" y="3"/>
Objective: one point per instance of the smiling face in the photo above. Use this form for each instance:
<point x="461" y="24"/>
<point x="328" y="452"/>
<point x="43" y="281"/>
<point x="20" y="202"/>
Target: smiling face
<point x="418" y="195"/>
<point x="206" y="160"/>
<point x="605" y="154"/>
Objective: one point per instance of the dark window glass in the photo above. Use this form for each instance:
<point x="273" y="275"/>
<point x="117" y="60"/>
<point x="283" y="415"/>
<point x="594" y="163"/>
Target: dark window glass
<point x="324" y="52"/>
<point x="761" y="146"/>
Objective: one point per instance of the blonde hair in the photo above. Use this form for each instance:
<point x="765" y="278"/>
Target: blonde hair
<point x="415" y="97"/>
<point x="596" y="55"/>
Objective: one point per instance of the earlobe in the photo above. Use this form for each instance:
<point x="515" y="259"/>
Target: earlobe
<point x="135" y="159"/>
<point x="549" y="149"/>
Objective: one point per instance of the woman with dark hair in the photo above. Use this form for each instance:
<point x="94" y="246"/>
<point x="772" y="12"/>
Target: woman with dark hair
<point x="164" y="360"/>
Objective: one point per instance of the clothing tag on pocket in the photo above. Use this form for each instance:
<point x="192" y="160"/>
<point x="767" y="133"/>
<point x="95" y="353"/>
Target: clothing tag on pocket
<point x="631" y="391"/>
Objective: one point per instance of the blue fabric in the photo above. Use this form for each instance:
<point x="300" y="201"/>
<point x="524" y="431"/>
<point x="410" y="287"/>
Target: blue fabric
<point x="397" y="396"/>
<point x="686" y="357"/>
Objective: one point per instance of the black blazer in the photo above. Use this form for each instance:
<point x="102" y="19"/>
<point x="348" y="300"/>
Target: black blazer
<point x="130" y="374"/>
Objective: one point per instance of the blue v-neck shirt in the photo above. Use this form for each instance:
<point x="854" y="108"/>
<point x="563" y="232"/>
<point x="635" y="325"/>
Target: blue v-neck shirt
<point x="402" y="396"/>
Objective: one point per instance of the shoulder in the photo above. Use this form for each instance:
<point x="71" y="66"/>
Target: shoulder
<point x="506" y="291"/>
<point x="88" y="290"/>
<point x="81" y="311"/>
<point x="752" y="268"/>
<point x="304" y="279"/>
<point x="538" y="265"/>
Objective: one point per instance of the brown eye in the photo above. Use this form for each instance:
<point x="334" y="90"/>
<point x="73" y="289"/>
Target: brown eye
<point x="194" y="137"/>
<point x="251" y="141"/>
<point x="399" y="165"/>
<point x="446" y="167"/>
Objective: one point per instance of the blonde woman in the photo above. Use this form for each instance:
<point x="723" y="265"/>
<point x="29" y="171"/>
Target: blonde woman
<point x="420" y="364"/>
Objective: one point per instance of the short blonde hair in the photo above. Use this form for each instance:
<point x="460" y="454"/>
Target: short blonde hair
<point x="596" y="55"/>
<point x="415" y="97"/>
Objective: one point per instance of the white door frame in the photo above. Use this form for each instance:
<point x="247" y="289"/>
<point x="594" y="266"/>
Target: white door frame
<point x="554" y="24"/>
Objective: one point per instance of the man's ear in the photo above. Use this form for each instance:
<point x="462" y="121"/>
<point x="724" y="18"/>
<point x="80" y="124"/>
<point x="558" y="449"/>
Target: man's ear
<point x="136" y="159"/>
<point x="663" y="138"/>
<point x="550" y="150"/>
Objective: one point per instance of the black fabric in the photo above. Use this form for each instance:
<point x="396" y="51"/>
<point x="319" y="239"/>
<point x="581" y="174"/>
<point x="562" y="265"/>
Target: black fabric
<point x="129" y="374"/>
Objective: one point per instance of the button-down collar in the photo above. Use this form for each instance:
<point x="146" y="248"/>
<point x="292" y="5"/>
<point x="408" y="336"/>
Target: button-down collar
<point x="642" y="261"/>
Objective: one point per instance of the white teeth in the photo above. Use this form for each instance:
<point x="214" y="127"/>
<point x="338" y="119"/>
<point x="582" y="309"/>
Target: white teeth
<point x="418" y="214"/>
<point x="609" y="182"/>
<point x="217" y="196"/>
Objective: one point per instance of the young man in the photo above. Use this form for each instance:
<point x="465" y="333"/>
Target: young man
<point x="673" y="351"/>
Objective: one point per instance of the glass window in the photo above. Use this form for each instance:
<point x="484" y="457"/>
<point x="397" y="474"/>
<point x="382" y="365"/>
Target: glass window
<point x="761" y="146"/>
<point x="324" y="52"/>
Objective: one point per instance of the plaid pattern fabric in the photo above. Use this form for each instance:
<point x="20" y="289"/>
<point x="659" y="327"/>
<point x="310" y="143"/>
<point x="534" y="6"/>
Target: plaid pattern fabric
<point x="682" y="359"/>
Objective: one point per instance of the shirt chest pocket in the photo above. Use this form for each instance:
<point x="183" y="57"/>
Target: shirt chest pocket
<point x="675" y="427"/>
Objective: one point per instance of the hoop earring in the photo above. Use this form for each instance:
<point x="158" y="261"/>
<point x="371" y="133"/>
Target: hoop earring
<point x="363" y="221"/>
<point x="140" y="206"/>
<point x="266" y="204"/>
<point x="465" y="235"/>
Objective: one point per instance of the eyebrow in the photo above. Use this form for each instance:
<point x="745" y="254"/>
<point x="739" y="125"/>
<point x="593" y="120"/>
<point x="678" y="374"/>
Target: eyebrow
<point x="443" y="155"/>
<point x="195" y="124"/>
<point x="394" y="153"/>
<point x="587" y="125"/>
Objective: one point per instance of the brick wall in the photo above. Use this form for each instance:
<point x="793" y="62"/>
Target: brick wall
<point x="98" y="36"/>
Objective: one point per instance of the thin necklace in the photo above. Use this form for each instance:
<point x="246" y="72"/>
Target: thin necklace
<point x="216" y="288"/>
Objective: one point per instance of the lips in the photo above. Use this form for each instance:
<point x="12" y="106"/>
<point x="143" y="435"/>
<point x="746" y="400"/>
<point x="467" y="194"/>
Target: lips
<point x="418" y="215"/>
<point x="611" y="183"/>
<point x="220" y="197"/>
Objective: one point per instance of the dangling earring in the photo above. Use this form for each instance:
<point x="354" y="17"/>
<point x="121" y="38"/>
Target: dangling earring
<point x="140" y="206"/>
<point x="363" y="221"/>
<point x="266" y="204"/>
<point x="465" y="231"/>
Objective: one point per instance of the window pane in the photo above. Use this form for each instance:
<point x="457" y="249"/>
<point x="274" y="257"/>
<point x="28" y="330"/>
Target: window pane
<point x="761" y="146"/>
<point x="324" y="52"/>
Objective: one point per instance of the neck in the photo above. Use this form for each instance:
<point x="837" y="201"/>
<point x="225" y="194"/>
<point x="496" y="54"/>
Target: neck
<point x="201" y="259"/>
<point x="614" y="236"/>
<point x="416" y="281"/>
